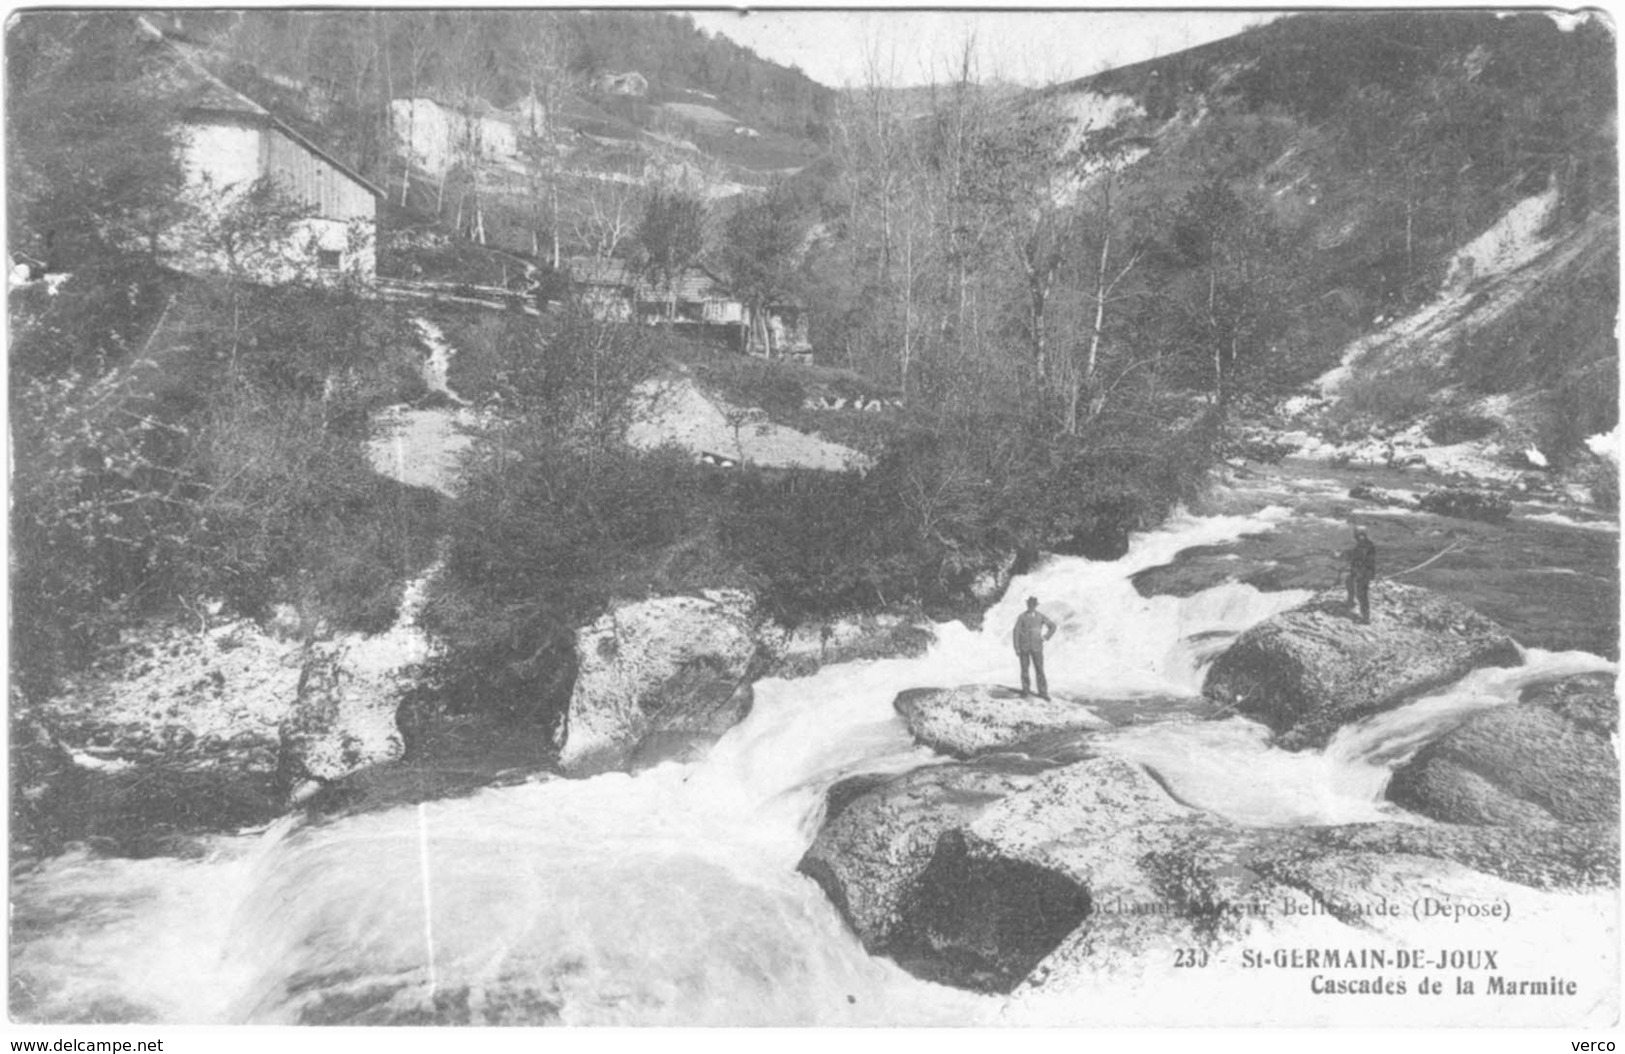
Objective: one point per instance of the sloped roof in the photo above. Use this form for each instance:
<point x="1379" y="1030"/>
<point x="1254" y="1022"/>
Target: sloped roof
<point x="201" y="92"/>
<point x="695" y="284"/>
<point x="184" y="79"/>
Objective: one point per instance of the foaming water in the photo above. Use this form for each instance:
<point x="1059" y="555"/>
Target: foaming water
<point x="670" y="897"/>
<point x="1228" y="767"/>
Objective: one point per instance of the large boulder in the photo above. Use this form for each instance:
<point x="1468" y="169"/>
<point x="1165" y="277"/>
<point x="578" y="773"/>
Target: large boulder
<point x="1545" y="760"/>
<point x="971" y="873"/>
<point x="1467" y="503"/>
<point x="879" y="836"/>
<point x="350" y="690"/>
<point x="343" y="718"/>
<point x="207" y="724"/>
<point x="676" y="668"/>
<point x="989" y="876"/>
<point x="1007" y="886"/>
<point x="977" y="719"/>
<point x="173" y="731"/>
<point x="1308" y="671"/>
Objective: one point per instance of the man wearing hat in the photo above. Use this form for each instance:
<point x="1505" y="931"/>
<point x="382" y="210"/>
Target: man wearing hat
<point x="1033" y="628"/>
<point x="1362" y="569"/>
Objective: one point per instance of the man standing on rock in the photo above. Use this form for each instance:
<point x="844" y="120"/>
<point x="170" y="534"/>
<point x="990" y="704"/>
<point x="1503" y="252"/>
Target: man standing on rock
<point x="1033" y="628"/>
<point x="1362" y="569"/>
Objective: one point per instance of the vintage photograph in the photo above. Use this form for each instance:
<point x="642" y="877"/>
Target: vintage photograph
<point x="813" y="518"/>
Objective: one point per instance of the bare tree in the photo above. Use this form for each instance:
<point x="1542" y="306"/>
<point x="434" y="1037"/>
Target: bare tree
<point x="1108" y="276"/>
<point x="539" y="39"/>
<point x="607" y="216"/>
<point x="413" y="30"/>
<point x="468" y="72"/>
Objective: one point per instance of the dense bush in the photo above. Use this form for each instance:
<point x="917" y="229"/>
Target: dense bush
<point x="1460" y="426"/>
<point x="221" y="457"/>
<point x="555" y="514"/>
<point x="557" y="520"/>
<point x="1386" y="397"/>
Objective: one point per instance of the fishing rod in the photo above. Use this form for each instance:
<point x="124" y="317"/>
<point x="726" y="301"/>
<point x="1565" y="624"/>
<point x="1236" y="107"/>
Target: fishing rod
<point x="1342" y="572"/>
<point x="1453" y="545"/>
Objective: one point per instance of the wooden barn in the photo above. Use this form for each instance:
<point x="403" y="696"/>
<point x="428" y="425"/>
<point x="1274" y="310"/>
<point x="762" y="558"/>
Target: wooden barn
<point x="614" y="292"/>
<point x="230" y="145"/>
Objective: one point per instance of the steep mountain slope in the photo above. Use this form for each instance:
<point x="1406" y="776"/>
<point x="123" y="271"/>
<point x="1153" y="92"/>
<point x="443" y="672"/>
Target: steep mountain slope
<point x="1437" y="194"/>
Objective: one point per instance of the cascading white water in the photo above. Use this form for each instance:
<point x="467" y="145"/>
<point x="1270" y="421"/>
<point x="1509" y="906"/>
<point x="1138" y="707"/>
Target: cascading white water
<point x="670" y="897"/>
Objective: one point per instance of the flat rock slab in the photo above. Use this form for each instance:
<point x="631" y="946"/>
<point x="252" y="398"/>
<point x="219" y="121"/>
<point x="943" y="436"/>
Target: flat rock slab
<point x="1311" y="670"/>
<point x="990" y="880"/>
<point x="1543" y="761"/>
<point x="977" y="719"/>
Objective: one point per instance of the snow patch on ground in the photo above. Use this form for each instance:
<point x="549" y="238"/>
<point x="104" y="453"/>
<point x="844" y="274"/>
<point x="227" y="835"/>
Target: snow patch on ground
<point x="673" y="412"/>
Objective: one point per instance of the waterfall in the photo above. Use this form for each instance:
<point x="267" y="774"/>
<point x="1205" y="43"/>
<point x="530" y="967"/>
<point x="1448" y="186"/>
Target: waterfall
<point x="670" y="897"/>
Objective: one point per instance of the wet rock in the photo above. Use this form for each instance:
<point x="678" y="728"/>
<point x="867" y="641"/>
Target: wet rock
<point x="874" y="846"/>
<point x="1104" y="536"/>
<point x="970" y="875"/>
<point x="993" y="880"/>
<point x="989" y="583"/>
<point x="1209" y="886"/>
<point x="129" y="802"/>
<point x="1392" y="498"/>
<point x="1004" y="889"/>
<point x="343" y="719"/>
<point x="666" y="665"/>
<point x="350" y="692"/>
<point x="1266" y="447"/>
<point x="173" y="731"/>
<point x="975" y="719"/>
<point x="1542" y="761"/>
<point x="197" y="726"/>
<point x="1466" y="503"/>
<point x="1310" y="670"/>
<point x="807" y="648"/>
<point x="1570" y="857"/>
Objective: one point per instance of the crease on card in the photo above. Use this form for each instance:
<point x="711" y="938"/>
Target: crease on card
<point x="428" y="901"/>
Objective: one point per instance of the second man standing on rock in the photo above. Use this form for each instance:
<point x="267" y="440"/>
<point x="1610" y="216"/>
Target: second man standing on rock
<point x="1033" y="628"/>
<point x="1362" y="559"/>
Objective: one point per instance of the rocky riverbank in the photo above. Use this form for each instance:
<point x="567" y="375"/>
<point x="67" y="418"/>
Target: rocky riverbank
<point x="186" y="728"/>
<point x="1018" y="869"/>
<point x="189" y="727"/>
<point x="663" y="679"/>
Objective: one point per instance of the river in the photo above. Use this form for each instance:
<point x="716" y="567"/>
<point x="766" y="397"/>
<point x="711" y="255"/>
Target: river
<point x="670" y="897"/>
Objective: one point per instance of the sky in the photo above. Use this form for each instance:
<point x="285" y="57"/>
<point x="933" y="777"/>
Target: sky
<point x="916" y="47"/>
